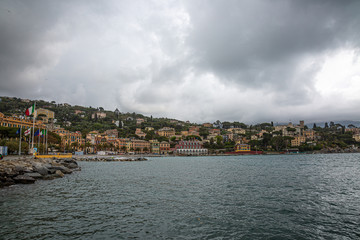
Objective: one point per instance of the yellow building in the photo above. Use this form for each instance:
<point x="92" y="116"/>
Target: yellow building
<point x="297" y="141"/>
<point x="240" y="147"/>
<point x="71" y="139"/>
<point x="18" y="122"/>
<point x="357" y="137"/>
<point x="166" y="132"/>
<point x="48" y="114"/>
<point x="139" y="146"/>
<point x="149" y="129"/>
<point x="309" y="134"/>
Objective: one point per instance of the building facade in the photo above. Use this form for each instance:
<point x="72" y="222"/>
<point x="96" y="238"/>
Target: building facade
<point x="191" y="147"/>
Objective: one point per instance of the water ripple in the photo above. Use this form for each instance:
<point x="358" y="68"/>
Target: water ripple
<point x="242" y="197"/>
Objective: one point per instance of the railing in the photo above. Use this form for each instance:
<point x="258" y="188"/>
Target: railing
<point x="59" y="155"/>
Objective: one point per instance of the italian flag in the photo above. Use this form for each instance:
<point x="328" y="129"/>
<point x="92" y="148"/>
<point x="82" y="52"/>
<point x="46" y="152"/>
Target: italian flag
<point x="30" y="110"/>
<point x="43" y="132"/>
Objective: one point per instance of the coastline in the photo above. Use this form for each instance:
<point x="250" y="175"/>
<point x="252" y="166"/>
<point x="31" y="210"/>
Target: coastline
<point x="27" y="169"/>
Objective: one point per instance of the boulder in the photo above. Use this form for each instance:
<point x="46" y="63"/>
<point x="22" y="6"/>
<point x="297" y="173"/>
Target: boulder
<point x="62" y="169"/>
<point x="34" y="175"/>
<point x="24" y="179"/>
<point x="59" y="173"/>
<point x="42" y="170"/>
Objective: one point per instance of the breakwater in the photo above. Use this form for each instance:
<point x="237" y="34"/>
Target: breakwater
<point x="26" y="170"/>
<point x="111" y="159"/>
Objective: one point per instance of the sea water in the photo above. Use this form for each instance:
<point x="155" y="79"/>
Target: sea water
<point x="224" y="197"/>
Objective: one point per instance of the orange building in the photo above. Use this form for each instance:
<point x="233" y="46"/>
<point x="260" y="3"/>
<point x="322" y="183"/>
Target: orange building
<point x="164" y="147"/>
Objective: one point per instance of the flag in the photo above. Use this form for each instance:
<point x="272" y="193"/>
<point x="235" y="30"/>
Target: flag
<point x="27" y="132"/>
<point x="30" y="110"/>
<point x="18" y="131"/>
<point x="43" y="133"/>
<point x="37" y="133"/>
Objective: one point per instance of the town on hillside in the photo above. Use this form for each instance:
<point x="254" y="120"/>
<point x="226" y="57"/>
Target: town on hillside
<point x="88" y="130"/>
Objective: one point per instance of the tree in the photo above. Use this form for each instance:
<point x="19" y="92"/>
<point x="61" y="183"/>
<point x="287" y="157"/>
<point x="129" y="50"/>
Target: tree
<point x="326" y="125"/>
<point x="277" y="143"/>
<point x="219" y="140"/>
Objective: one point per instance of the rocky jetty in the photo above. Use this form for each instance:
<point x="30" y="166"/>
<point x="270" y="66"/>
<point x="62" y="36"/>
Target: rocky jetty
<point x="112" y="159"/>
<point x="28" y="170"/>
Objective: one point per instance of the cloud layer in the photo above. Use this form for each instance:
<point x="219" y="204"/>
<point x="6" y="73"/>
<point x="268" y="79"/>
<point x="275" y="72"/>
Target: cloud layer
<point x="249" y="61"/>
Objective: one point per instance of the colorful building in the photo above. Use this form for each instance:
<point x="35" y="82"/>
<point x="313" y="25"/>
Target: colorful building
<point x="164" y="147"/>
<point x="242" y="147"/>
<point x="155" y="146"/>
<point x="191" y="147"/>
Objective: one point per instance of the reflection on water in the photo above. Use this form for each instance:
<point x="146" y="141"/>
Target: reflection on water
<point x="242" y="197"/>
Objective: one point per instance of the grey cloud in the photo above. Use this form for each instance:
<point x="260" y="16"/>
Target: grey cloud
<point x="194" y="60"/>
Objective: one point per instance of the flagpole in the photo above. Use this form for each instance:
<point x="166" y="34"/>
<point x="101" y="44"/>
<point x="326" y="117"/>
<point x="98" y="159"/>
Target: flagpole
<point x="39" y="141"/>
<point x="46" y="140"/>
<point x="32" y="144"/>
<point x="20" y="142"/>
<point x="29" y="141"/>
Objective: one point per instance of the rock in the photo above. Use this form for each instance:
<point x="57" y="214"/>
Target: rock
<point x="34" y="175"/>
<point x="42" y="170"/>
<point x="62" y="169"/>
<point x="24" y="179"/>
<point x="59" y="173"/>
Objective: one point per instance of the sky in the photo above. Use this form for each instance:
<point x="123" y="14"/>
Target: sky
<point x="237" y="60"/>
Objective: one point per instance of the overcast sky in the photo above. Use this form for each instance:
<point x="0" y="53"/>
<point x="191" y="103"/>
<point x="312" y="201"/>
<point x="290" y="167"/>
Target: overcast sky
<point x="249" y="61"/>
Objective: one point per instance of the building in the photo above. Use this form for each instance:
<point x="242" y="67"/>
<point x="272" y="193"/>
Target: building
<point x="194" y="129"/>
<point x="184" y="133"/>
<point x="47" y="114"/>
<point x="112" y="133"/>
<point x="242" y="147"/>
<point x="98" y="115"/>
<point x="122" y="144"/>
<point x="191" y="147"/>
<point x="19" y="122"/>
<point x="139" y="121"/>
<point x="139" y="146"/>
<point x="155" y="146"/>
<point x="215" y="131"/>
<point x="207" y="125"/>
<point x="72" y="140"/>
<point x="149" y="129"/>
<point x="309" y="134"/>
<point x="79" y="112"/>
<point x="166" y="132"/>
<point x="297" y="141"/>
<point x="140" y="133"/>
<point x="164" y="147"/>
<point x="357" y="137"/>
<point x="237" y="130"/>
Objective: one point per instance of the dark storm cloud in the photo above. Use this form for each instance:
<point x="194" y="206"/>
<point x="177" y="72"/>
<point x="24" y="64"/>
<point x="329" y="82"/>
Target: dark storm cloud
<point x="193" y="60"/>
<point x="241" y="39"/>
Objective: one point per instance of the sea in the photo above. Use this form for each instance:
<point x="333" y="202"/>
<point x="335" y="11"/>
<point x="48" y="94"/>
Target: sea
<point x="222" y="197"/>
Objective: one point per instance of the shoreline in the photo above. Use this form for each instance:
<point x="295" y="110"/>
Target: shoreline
<point x="27" y="169"/>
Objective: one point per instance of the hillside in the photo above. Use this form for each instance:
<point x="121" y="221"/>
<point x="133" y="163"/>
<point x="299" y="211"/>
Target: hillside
<point x="80" y="118"/>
